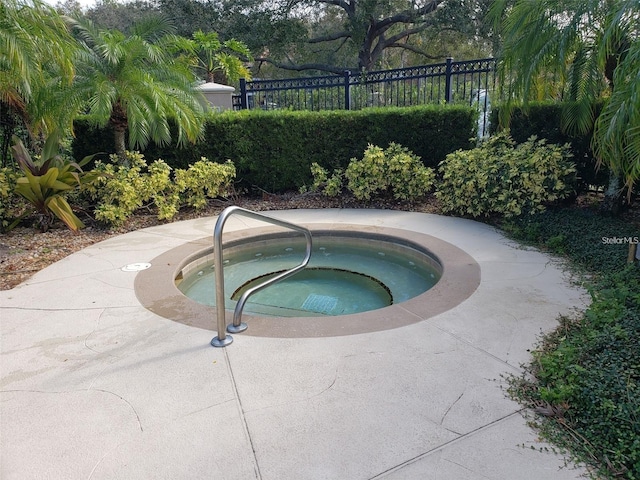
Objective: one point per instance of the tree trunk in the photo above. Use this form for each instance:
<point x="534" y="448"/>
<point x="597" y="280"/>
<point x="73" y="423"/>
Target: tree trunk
<point x="365" y="62"/>
<point x="119" y="135"/>
<point x="365" y="59"/>
<point x="119" y="123"/>
<point x="219" y="77"/>
<point x="613" y="198"/>
<point x="633" y="250"/>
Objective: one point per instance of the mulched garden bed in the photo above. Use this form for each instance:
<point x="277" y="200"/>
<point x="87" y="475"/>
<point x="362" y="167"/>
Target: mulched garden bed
<point x="25" y="250"/>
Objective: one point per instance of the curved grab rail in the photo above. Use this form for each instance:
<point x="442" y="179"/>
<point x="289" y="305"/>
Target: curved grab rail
<point x="222" y="339"/>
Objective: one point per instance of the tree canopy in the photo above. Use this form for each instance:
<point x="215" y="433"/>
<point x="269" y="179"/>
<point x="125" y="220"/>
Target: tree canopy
<point x="359" y="34"/>
<point x="324" y="35"/>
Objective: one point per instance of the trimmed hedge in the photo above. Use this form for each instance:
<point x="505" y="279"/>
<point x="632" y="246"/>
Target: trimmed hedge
<point x="274" y="150"/>
<point x="543" y="119"/>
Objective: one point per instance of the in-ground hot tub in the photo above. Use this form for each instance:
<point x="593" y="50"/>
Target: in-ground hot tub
<point x="405" y="276"/>
<point x="348" y="273"/>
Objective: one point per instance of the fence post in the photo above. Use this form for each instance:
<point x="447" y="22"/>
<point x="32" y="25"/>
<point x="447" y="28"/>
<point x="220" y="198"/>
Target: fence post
<point x="347" y="90"/>
<point x="244" y="101"/>
<point x="447" y="81"/>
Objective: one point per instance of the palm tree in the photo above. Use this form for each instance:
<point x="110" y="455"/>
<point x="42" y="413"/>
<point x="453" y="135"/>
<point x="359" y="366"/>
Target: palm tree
<point x="617" y="128"/>
<point x="592" y="48"/>
<point x="220" y="61"/>
<point x="35" y="63"/>
<point x="134" y="83"/>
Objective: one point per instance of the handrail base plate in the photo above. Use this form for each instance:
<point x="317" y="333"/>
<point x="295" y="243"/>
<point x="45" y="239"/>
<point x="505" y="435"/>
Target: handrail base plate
<point x="216" y="342"/>
<point x="237" y="329"/>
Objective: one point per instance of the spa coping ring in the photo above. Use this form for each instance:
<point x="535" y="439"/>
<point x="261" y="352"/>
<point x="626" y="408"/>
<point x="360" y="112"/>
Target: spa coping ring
<point x="156" y="290"/>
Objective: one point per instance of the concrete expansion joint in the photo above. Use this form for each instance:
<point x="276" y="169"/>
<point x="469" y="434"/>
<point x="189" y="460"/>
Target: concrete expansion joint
<point x="443" y="446"/>
<point x="243" y="418"/>
<point x="481" y="350"/>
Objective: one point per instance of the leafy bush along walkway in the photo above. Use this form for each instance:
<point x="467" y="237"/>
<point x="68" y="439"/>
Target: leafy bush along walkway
<point x="585" y="377"/>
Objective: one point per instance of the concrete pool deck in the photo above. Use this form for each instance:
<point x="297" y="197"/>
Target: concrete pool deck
<point x="95" y="386"/>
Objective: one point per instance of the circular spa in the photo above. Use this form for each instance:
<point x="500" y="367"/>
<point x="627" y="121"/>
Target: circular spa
<point x="346" y="275"/>
<point x="359" y="279"/>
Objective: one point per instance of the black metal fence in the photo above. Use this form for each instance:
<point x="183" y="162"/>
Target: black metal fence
<point x="469" y="81"/>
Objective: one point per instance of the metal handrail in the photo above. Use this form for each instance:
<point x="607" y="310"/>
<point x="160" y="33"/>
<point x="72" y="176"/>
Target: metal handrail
<point x="222" y="339"/>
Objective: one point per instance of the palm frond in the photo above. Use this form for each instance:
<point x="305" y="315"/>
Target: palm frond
<point x="617" y="130"/>
<point x="35" y="48"/>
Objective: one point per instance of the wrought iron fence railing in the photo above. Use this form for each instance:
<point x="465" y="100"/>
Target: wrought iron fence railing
<point x="469" y="81"/>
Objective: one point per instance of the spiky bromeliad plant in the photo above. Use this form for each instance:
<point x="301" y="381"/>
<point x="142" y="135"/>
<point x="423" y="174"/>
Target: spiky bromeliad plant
<point x="48" y="179"/>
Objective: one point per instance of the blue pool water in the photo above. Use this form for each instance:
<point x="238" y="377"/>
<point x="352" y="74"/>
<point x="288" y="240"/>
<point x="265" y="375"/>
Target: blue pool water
<point x="345" y="275"/>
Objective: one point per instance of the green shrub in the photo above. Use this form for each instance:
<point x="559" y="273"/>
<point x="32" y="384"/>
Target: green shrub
<point x="331" y="186"/>
<point x="203" y="180"/>
<point x="120" y="191"/>
<point x="544" y="120"/>
<point x="500" y="177"/>
<point x="11" y="208"/>
<point x="124" y="189"/>
<point x="395" y="172"/>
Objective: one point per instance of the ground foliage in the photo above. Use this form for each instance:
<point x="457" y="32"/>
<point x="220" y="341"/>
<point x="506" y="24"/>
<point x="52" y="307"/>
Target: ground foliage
<point x="584" y="381"/>
<point x="121" y="190"/>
